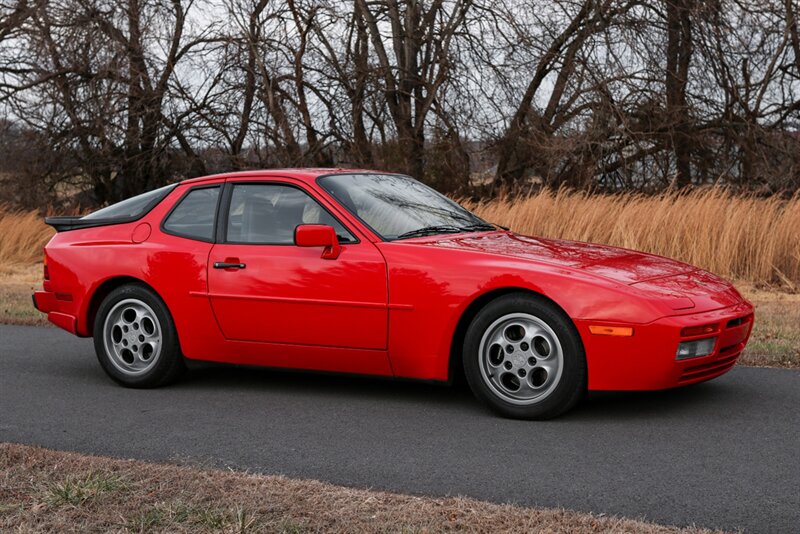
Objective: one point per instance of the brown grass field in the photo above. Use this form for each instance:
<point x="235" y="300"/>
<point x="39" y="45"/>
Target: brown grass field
<point x="739" y="237"/>
<point x="754" y="241"/>
<point x="22" y="237"/>
<point x="48" y="491"/>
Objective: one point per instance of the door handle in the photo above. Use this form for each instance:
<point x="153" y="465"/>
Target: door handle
<point x="224" y="265"/>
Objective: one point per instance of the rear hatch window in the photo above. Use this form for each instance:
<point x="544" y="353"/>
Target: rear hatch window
<point x="132" y="208"/>
<point x="125" y="211"/>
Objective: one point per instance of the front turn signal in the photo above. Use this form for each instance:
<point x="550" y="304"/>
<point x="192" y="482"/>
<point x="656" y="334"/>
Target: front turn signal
<point x="621" y="331"/>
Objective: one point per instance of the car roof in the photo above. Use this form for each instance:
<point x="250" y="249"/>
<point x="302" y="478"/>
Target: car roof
<point x="306" y="174"/>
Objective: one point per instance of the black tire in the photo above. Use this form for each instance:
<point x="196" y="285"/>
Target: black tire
<point x="167" y="364"/>
<point x="566" y="388"/>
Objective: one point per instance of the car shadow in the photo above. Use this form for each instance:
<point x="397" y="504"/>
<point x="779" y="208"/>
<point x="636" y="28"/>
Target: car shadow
<point x="596" y="406"/>
<point x="669" y="403"/>
<point x="291" y="381"/>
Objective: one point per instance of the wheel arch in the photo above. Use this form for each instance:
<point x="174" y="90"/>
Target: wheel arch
<point x="455" y="368"/>
<point x="103" y="290"/>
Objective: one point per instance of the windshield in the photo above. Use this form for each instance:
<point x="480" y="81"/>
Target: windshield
<point x="399" y="207"/>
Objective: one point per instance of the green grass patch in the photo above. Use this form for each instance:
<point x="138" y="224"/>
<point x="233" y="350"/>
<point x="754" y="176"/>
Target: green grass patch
<point x="74" y="491"/>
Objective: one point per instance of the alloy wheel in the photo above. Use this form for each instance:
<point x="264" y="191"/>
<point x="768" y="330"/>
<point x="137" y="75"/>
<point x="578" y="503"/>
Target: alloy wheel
<point x="132" y="336"/>
<point x="521" y="358"/>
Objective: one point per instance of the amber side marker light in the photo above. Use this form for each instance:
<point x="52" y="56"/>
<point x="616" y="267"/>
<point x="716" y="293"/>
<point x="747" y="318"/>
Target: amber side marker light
<point x="622" y="331"/>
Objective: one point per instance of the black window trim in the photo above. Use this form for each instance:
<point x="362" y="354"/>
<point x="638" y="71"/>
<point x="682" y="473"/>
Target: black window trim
<point x="162" y="227"/>
<point x="222" y="229"/>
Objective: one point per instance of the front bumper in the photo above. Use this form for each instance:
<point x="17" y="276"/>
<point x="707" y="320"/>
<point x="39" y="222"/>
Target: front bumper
<point x="646" y="360"/>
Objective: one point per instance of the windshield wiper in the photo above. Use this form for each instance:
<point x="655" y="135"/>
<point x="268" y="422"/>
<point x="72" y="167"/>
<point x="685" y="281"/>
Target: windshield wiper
<point x="446" y="229"/>
<point x="431" y="230"/>
<point x="478" y="227"/>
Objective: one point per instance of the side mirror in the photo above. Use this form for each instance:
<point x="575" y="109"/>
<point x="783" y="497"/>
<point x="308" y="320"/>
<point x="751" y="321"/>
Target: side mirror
<point x="318" y="235"/>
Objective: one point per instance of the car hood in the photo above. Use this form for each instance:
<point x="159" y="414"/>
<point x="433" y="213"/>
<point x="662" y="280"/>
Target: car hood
<point x="614" y="263"/>
<point x="686" y="286"/>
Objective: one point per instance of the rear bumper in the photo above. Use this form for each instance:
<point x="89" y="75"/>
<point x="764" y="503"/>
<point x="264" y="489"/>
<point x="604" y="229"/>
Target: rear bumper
<point x="46" y="302"/>
<point x="646" y="360"/>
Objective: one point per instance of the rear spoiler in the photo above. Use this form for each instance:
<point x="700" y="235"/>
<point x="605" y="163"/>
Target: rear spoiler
<point x="67" y="223"/>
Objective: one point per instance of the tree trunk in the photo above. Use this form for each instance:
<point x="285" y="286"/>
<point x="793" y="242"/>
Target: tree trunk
<point x="679" y="54"/>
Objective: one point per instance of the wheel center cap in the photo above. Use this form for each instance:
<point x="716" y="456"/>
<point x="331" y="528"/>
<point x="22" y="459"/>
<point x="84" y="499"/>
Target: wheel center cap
<point x="518" y="359"/>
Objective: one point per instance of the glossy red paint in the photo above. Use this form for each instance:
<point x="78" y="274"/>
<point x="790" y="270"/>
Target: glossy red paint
<point x="393" y="308"/>
<point x="318" y="235"/>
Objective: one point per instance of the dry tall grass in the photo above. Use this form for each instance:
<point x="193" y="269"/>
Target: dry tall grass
<point x="22" y="236"/>
<point x="740" y="237"/>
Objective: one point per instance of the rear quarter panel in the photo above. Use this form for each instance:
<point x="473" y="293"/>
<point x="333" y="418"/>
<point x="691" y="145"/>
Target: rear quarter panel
<point x="83" y="263"/>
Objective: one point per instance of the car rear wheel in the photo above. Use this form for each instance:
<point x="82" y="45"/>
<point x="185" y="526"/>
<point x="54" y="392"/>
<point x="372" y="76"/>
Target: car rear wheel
<point x="524" y="359"/>
<point x="135" y="338"/>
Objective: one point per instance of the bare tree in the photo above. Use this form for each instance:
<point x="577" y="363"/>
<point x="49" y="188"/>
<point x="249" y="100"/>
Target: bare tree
<point x="105" y="95"/>
<point x="13" y="16"/>
<point x="679" y="56"/>
<point x="508" y="94"/>
<point x="416" y="65"/>
<point x="561" y="81"/>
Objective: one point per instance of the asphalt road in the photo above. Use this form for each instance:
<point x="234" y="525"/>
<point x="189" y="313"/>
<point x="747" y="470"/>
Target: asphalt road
<point x="723" y="454"/>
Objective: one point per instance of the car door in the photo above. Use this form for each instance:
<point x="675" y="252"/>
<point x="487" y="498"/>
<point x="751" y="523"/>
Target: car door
<point x="264" y="288"/>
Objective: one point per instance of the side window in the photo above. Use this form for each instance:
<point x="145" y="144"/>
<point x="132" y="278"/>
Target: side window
<point x="194" y="216"/>
<point x="268" y="214"/>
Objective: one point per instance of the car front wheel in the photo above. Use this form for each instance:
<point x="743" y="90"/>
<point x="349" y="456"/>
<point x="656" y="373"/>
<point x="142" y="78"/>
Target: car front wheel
<point x="524" y="358"/>
<point x="135" y="338"/>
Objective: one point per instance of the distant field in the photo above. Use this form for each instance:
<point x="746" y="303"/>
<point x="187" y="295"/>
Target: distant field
<point x="16" y="286"/>
<point x="22" y="237"/>
<point x="739" y="237"/>
<point x="754" y="241"/>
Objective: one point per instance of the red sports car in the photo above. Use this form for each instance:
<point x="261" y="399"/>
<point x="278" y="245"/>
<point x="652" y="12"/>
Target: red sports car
<point x="375" y="273"/>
